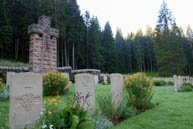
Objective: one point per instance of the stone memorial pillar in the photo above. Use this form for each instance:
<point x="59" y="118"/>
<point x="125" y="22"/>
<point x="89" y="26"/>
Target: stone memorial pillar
<point x="43" y="41"/>
<point x="116" y="87"/>
<point x="84" y="91"/>
<point x="25" y="102"/>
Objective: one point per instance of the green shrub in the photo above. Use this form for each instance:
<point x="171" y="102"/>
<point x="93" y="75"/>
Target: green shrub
<point x="159" y="83"/>
<point x="115" y="112"/>
<point x="163" y="83"/>
<point x="102" y="122"/>
<point x="139" y="90"/>
<point x="103" y="83"/>
<point x="1" y="82"/>
<point x="70" y="117"/>
<point x="54" y="83"/>
<point x="186" y="87"/>
<point x="170" y="83"/>
<point x="4" y="90"/>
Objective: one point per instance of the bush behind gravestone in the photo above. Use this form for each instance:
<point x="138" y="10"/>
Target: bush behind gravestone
<point x="140" y="91"/>
<point x="186" y="87"/>
<point x="54" y="83"/>
<point x="4" y="90"/>
<point x="159" y="83"/>
<point x="115" y="112"/>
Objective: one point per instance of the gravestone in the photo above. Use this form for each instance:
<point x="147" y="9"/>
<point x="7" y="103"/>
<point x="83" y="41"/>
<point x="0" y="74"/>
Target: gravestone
<point x="96" y="79"/>
<point x="116" y="88"/>
<point x="105" y="79"/>
<point x="8" y="78"/>
<point x="84" y="91"/>
<point x="43" y="40"/>
<point x="25" y="99"/>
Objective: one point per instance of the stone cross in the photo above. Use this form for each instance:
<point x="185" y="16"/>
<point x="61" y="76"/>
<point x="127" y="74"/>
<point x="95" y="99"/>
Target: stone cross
<point x="43" y="42"/>
<point x="25" y="99"/>
<point x="116" y="88"/>
<point x="84" y="91"/>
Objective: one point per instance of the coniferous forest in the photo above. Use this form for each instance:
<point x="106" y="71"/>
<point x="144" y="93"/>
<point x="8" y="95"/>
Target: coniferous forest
<point x="166" y="49"/>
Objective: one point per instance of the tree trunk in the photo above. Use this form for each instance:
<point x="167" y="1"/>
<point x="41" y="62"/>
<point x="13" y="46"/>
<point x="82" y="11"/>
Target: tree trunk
<point x="62" y="52"/>
<point x="73" y="55"/>
<point x="65" y="52"/>
<point x="87" y="47"/>
<point x="58" y="43"/>
<point x="16" y="48"/>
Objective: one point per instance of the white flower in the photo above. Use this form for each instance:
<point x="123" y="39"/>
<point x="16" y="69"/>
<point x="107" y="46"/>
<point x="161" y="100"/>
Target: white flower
<point x="44" y="126"/>
<point x="51" y="126"/>
<point x="41" y="113"/>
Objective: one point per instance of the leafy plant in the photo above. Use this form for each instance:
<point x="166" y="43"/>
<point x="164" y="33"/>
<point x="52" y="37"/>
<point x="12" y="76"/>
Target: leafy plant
<point x="102" y="122"/>
<point x="186" y="87"/>
<point x="54" y="83"/>
<point x="159" y="83"/>
<point x="170" y="83"/>
<point x="76" y="118"/>
<point x="4" y="91"/>
<point x="139" y="91"/>
<point x="70" y="117"/>
<point x="113" y="112"/>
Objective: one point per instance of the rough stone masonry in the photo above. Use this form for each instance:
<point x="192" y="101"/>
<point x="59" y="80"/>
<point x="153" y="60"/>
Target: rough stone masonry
<point x="43" y="46"/>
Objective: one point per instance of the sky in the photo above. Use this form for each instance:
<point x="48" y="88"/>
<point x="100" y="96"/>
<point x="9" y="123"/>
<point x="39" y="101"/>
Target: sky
<point x="132" y="15"/>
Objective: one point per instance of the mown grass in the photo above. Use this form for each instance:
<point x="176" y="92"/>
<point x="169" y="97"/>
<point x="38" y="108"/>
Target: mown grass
<point x="175" y="110"/>
<point x="12" y="63"/>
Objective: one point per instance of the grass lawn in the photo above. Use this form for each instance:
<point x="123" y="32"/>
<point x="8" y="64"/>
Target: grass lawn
<point x="5" y="62"/>
<point x="175" y="111"/>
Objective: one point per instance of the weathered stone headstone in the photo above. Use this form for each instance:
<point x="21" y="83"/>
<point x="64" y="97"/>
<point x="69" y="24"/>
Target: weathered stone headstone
<point x="8" y="78"/>
<point x="178" y="82"/>
<point x="25" y="99"/>
<point x="43" y="40"/>
<point x="116" y="88"/>
<point x="84" y="91"/>
<point x="105" y="79"/>
<point x="96" y="79"/>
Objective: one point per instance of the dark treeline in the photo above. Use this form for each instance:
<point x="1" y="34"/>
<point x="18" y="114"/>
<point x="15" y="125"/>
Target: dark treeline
<point x="84" y="44"/>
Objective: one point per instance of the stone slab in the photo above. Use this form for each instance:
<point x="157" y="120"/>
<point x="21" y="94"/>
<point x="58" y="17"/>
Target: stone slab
<point x="84" y="91"/>
<point x="25" y="99"/>
<point x="116" y="88"/>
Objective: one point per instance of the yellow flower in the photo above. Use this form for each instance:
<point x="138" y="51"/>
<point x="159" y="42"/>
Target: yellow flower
<point x="58" y="97"/>
<point x="49" y="113"/>
<point x="45" y="102"/>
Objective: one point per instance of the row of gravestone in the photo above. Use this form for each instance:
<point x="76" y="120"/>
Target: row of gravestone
<point x="164" y="79"/>
<point x="26" y="95"/>
<point x="180" y="80"/>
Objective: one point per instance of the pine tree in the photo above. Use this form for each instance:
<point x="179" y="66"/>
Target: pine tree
<point x="6" y="32"/>
<point x="108" y="49"/>
<point x="121" y="59"/>
<point x="95" y="59"/>
<point x="168" y="47"/>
